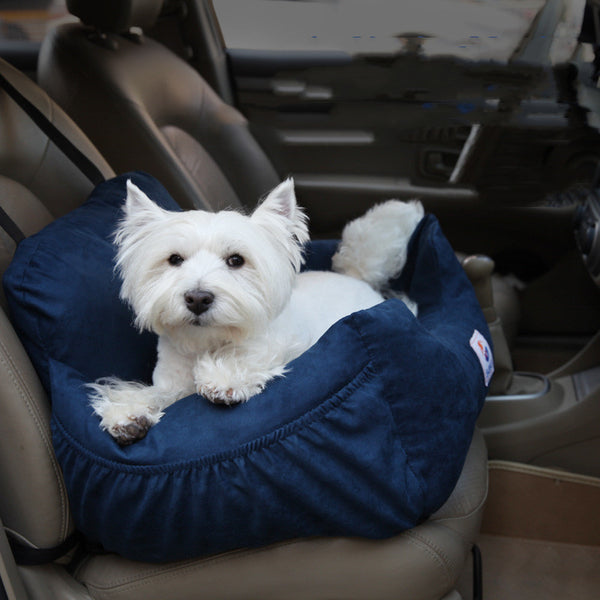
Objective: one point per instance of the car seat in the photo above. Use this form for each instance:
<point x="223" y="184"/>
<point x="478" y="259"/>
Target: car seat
<point x="39" y="183"/>
<point x="146" y="109"/>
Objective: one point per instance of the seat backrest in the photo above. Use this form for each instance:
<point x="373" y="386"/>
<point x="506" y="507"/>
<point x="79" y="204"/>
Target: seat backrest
<point x="145" y="108"/>
<point x="37" y="184"/>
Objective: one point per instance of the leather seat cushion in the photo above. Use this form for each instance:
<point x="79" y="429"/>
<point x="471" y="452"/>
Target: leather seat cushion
<point x="366" y="436"/>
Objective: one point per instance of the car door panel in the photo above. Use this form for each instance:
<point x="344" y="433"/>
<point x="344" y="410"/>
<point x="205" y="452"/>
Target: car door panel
<point x="482" y="144"/>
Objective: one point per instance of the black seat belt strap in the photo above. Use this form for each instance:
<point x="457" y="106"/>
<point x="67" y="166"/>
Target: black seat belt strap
<point x="27" y="555"/>
<point x="85" y="165"/>
<point x="79" y="159"/>
<point x="11" y="227"/>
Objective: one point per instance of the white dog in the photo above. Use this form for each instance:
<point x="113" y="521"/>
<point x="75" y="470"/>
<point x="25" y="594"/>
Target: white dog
<point x="224" y="294"/>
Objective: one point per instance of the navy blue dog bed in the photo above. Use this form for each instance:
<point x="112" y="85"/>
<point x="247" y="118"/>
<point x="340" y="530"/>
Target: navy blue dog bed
<point x="366" y="435"/>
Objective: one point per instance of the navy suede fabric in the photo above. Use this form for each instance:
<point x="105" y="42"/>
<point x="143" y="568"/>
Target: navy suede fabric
<point x="366" y="435"/>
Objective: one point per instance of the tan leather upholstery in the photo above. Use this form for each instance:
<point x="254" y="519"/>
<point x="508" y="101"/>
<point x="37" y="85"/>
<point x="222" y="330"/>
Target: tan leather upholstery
<point x="29" y="158"/>
<point x="37" y="183"/>
<point x="24" y="208"/>
<point x="423" y="563"/>
<point x="145" y="108"/>
<point x="33" y="503"/>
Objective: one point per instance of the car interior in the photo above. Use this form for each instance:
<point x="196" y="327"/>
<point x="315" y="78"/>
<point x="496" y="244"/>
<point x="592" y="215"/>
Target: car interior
<point x="504" y="154"/>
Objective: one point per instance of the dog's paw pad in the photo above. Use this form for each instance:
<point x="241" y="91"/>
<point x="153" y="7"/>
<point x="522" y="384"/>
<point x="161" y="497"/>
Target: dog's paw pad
<point x="127" y="433"/>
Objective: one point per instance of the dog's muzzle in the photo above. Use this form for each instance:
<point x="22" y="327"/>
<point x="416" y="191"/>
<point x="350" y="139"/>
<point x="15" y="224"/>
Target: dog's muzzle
<point x="198" y="301"/>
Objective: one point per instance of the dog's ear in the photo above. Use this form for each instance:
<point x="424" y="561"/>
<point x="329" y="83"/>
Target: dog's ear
<point x="138" y="213"/>
<point x="280" y="207"/>
<point x="281" y="200"/>
<point x="138" y="206"/>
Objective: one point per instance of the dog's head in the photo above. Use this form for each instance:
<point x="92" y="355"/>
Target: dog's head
<point x="220" y="271"/>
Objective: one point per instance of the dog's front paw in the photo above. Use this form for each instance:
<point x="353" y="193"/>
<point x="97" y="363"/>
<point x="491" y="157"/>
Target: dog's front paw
<point x="122" y="410"/>
<point x="229" y="395"/>
<point x="135" y="429"/>
<point x="235" y="377"/>
<point x="126" y="424"/>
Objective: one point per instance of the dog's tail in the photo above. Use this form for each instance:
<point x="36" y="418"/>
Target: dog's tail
<point x="373" y="247"/>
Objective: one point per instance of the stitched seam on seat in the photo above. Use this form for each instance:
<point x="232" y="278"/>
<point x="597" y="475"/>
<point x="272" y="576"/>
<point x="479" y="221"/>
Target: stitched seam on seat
<point x="434" y="551"/>
<point x="149" y="577"/>
<point x="26" y="395"/>
<point x="468" y="515"/>
<point x="475" y="509"/>
<point x="165" y="573"/>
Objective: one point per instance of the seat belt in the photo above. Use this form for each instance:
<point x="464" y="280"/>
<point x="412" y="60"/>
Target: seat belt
<point x="11" y="227"/>
<point x="77" y="157"/>
<point x="23" y="554"/>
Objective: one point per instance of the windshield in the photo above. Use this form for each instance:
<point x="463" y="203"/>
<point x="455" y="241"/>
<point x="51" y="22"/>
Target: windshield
<point x="483" y="30"/>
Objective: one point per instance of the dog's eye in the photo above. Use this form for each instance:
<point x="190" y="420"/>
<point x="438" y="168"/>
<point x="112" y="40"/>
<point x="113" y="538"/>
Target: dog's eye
<point x="175" y="260"/>
<point x="234" y="261"/>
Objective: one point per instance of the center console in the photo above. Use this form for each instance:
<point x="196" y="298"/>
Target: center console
<point x="549" y="419"/>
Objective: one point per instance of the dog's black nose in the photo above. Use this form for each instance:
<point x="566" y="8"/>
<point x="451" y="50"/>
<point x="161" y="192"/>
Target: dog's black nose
<point x="198" y="301"/>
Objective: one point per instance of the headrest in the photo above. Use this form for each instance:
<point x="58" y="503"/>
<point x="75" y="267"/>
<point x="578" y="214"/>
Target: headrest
<point x="116" y="16"/>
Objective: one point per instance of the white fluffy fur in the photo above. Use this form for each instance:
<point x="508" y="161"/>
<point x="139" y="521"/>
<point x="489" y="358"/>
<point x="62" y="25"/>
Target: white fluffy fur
<point x="385" y="226"/>
<point x="264" y="312"/>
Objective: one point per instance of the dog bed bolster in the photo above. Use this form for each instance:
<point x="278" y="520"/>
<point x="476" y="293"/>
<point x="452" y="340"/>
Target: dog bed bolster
<point x="365" y="436"/>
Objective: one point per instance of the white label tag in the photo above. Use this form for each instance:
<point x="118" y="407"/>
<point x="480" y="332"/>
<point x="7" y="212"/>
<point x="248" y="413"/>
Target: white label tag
<point x="484" y="354"/>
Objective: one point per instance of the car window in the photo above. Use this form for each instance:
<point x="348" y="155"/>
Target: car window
<point x="28" y="20"/>
<point x="486" y="30"/>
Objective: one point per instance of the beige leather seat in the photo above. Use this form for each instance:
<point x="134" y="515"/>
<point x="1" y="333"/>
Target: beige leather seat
<point x="145" y="108"/>
<point x="38" y="183"/>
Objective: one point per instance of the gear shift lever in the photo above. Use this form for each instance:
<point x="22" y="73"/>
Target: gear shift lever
<point x="479" y="270"/>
